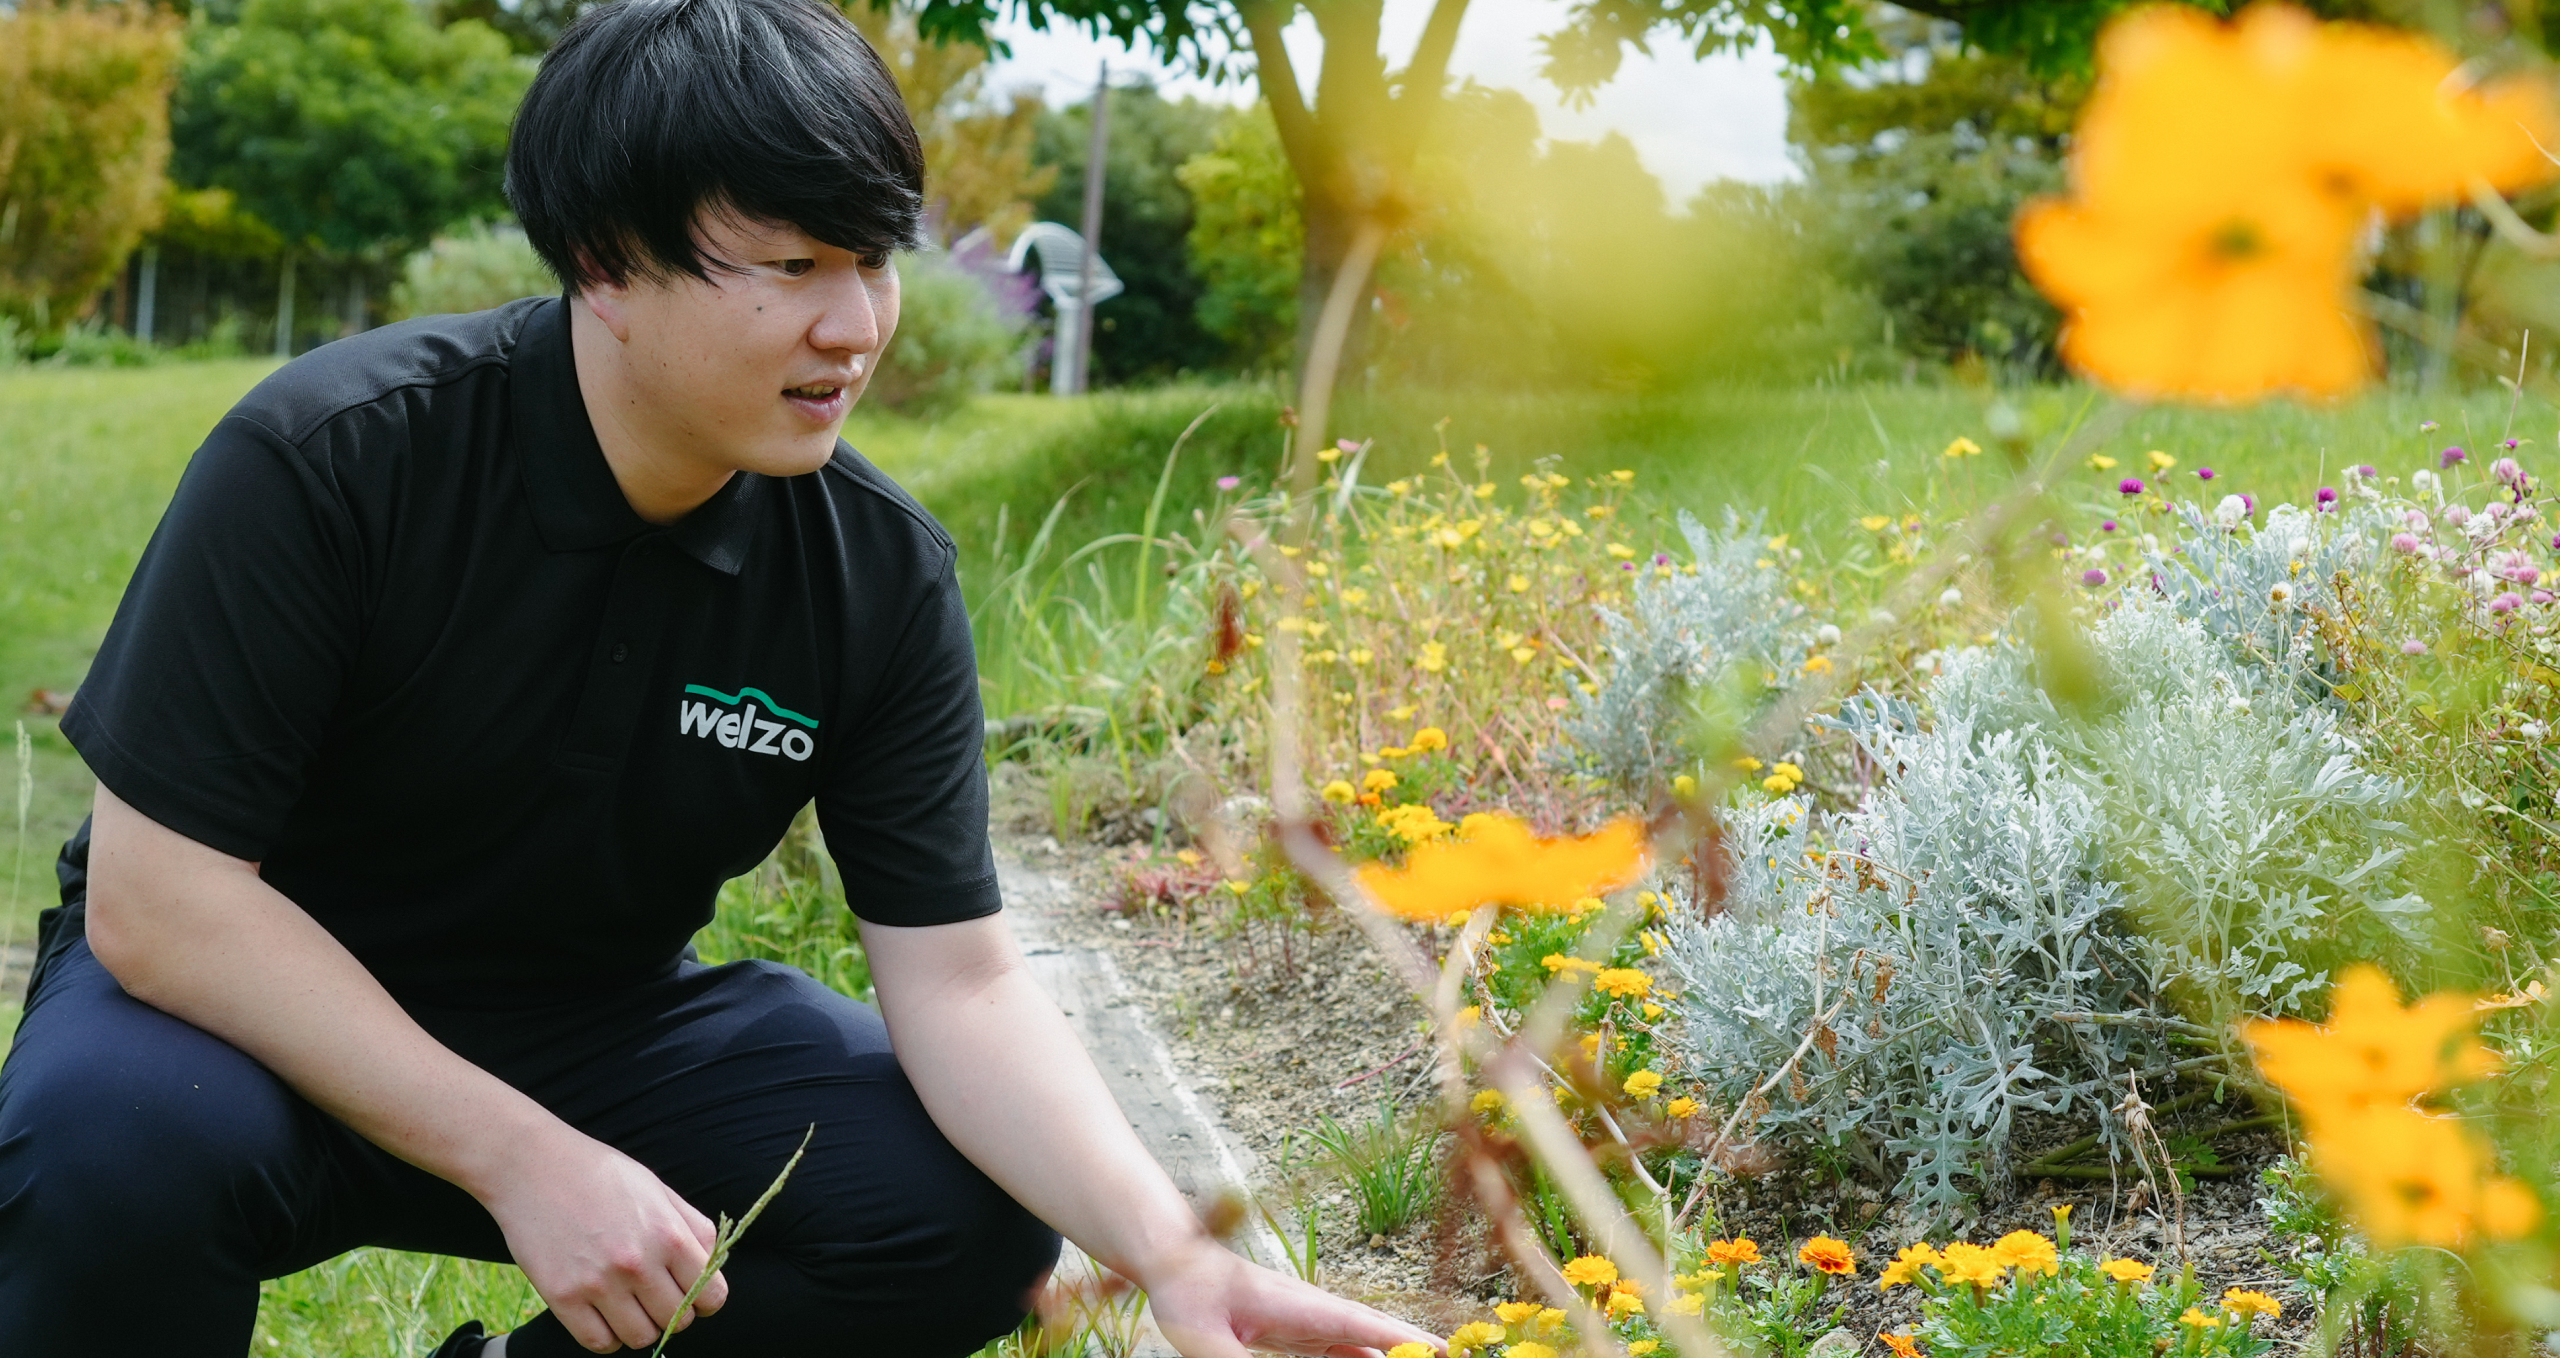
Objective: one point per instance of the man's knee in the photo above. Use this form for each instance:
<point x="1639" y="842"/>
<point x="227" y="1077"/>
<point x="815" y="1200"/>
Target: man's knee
<point x="137" y="1119"/>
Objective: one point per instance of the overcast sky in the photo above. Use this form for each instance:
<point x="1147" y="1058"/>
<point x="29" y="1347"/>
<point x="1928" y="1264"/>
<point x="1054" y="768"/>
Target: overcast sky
<point x="1691" y="121"/>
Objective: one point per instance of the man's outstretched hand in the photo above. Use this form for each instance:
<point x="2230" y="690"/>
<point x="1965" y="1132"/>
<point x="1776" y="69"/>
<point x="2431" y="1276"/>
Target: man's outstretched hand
<point x="1211" y="1304"/>
<point x="610" y="1248"/>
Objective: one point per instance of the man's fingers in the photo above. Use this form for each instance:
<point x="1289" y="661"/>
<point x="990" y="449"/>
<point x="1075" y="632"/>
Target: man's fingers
<point x="715" y="1294"/>
<point x="631" y="1323"/>
<point x="588" y="1326"/>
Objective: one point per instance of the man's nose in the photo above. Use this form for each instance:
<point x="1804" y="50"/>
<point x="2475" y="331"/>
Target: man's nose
<point x="848" y="321"/>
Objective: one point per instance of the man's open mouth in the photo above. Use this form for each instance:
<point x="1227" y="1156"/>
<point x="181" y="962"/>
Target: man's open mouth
<point x="824" y="391"/>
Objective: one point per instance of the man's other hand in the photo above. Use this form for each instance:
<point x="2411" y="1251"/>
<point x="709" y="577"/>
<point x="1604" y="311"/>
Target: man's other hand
<point x="608" y="1246"/>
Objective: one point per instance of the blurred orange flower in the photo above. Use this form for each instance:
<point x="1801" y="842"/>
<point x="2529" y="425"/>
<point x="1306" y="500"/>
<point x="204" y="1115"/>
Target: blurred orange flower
<point x="2221" y="176"/>
<point x="1827" y="1255"/>
<point x="1495" y="860"/>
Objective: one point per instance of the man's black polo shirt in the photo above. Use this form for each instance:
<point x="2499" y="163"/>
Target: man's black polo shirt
<point x="401" y="641"/>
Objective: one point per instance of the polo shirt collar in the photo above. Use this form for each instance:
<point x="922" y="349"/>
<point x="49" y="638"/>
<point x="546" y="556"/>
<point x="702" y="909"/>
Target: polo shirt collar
<point x="577" y="505"/>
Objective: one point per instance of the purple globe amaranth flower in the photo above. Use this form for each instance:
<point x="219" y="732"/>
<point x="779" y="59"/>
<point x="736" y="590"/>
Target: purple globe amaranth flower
<point x="2542" y="596"/>
<point x="2204" y="473"/>
<point x="2093" y="577"/>
<point x="2327" y="498"/>
<point x="1662" y="558"/>
<point x="2108" y="527"/>
<point x="2507" y="471"/>
<point x="1230" y="482"/>
<point x="2248" y="505"/>
<point x="2365" y="470"/>
<point x="2404" y="542"/>
<point x="2507" y="602"/>
<point x="2131" y="485"/>
<point x="2458" y="516"/>
<point x="2511" y="444"/>
<point x="2413" y="646"/>
<point x="2452" y="455"/>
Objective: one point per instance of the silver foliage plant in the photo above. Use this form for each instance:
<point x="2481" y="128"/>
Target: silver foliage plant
<point x="2037" y="905"/>
<point x="1686" y="633"/>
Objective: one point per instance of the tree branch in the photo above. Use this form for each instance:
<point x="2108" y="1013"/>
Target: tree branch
<point x="1429" y="68"/>
<point x="1279" y="80"/>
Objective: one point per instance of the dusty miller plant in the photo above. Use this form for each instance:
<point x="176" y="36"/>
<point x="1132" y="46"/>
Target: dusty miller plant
<point x="1681" y="639"/>
<point x="2019" y="918"/>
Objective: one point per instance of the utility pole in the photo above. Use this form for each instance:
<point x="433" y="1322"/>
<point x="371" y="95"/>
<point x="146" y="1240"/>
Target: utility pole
<point x="1095" y="151"/>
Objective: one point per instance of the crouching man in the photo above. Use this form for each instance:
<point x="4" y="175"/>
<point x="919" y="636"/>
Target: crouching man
<point x="472" y="656"/>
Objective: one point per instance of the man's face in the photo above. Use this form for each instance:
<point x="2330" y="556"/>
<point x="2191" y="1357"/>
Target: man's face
<point x="757" y="368"/>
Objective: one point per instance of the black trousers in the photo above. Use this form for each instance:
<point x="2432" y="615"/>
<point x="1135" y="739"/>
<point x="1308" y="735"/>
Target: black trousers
<point x="151" y="1174"/>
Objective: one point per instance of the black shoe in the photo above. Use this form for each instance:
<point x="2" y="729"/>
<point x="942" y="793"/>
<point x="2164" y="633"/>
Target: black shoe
<point x="463" y="1343"/>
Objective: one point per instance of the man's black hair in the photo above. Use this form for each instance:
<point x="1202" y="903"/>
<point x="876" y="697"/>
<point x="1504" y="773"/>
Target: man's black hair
<point x="649" y="111"/>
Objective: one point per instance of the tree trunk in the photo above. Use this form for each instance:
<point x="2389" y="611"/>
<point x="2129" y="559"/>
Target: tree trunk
<point x="1330" y="227"/>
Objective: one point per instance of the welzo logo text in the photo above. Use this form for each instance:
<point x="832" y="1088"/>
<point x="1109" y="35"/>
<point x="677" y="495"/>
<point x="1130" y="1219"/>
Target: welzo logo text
<point x="748" y="720"/>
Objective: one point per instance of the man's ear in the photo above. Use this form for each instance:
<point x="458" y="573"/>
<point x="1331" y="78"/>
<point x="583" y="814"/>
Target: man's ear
<point x="611" y="303"/>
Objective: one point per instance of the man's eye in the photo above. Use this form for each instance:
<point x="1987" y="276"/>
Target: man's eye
<point x="794" y="268"/>
<point x="876" y="261"/>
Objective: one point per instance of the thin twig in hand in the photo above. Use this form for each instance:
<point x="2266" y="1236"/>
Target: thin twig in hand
<point x="727" y="1237"/>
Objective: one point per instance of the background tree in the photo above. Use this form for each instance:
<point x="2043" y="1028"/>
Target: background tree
<point x="353" y="127"/>
<point x="1153" y="329"/>
<point x="1245" y="241"/>
<point x="84" y="140"/>
<point x="1917" y="169"/>
<point x="980" y="162"/>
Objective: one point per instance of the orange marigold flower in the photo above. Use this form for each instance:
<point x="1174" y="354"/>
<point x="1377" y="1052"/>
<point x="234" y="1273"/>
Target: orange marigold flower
<point x="1902" y="1345"/>
<point x="1682" y="1107"/>
<point x="2027" y="1252"/>
<point x="2220" y="176"/>
<point x="1739" y="1250"/>
<point x="1827" y="1255"/>
<point x="1591" y="1270"/>
<point x="1498" y="861"/>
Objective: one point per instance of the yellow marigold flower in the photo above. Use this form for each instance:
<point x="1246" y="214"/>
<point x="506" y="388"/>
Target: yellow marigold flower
<point x="1404" y="713"/>
<point x="1517" y="584"/>
<point x="1471" y="1015"/>
<point x="1621" y="551"/>
<point x="1556" y="961"/>
<point x="2160" y="461"/>
<point x="1435" y="657"/>
<point x="2244" y="1303"/>
<point x="2100" y="462"/>
<point x="1531" y="1349"/>
<point x="1472" y="1336"/>
<point x="1340" y="793"/>
<point x="1590" y="1046"/>
<point x="1820" y="664"/>
<point x="1739" y="1250"/>
<point x="1623" y="477"/>
<point x="1788" y="771"/>
<point x="1515" y="1312"/>
<point x="1392" y="752"/>
<point x="2220" y="176"/>
<point x="1624" y="1304"/>
<point x="1486" y="1101"/>
<point x="1591" y="1270"/>
<point x="1686" y="1304"/>
<point x="1875" y="523"/>
<point x="1416" y="824"/>
<point x="1362" y="655"/>
<point x="2026" y="1252"/>
<point x="1428" y="738"/>
<point x="1827" y="1255"/>
<point x="1906" y="1265"/>
<point x="1550" y="1320"/>
<point x="1411" y="1349"/>
<point x="1189" y="858"/>
<point x="1377" y="780"/>
<point x="1626" y="983"/>
<point x="1962" y="447"/>
<point x="1961" y="1263"/>
<point x="1500" y="862"/>
<point x="1902" y="1345"/>
<point x="1778" y="783"/>
<point x="1644" y="1084"/>
<point x="1682" y="1107"/>
<point x="1643" y="1346"/>
<point x="2126" y="1270"/>
<point x="1747" y="764"/>
<point x="2192" y="1316"/>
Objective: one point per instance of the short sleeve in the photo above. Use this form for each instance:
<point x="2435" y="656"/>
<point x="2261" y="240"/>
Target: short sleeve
<point x="904" y="806"/>
<point x="214" y="687"/>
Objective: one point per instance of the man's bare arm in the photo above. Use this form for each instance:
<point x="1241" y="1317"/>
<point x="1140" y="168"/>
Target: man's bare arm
<point x="1007" y="1081"/>
<point x="196" y="933"/>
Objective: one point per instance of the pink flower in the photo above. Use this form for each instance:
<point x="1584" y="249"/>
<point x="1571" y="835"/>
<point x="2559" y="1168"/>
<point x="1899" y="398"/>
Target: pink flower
<point x="2326" y="498"/>
<point x="2404" y="542"/>
<point x="2093" y="577"/>
<point x="2366" y="471"/>
<point x="2457" y="516"/>
<point x="2108" y="527"/>
<point x="2507" y="602"/>
<point x="2204" y="473"/>
<point x="2413" y="646"/>
<point x="2541" y="596"/>
<point x="1230" y="482"/>
<point x="2450" y="456"/>
<point x="2131" y="485"/>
